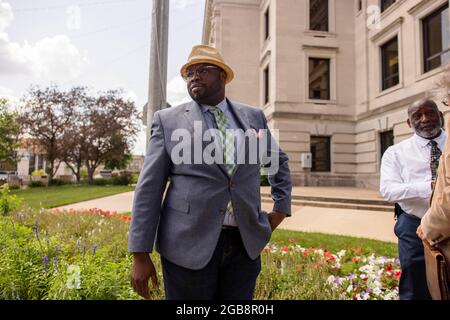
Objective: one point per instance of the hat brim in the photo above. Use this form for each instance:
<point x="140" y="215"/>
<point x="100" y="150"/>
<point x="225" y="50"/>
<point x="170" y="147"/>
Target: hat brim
<point x="227" y="69"/>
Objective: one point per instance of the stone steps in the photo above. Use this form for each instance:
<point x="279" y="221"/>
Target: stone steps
<point x="336" y="202"/>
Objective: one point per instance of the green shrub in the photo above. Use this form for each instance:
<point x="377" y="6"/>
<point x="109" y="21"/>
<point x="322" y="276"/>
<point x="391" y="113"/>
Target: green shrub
<point x="59" y="182"/>
<point x="40" y="172"/>
<point x="123" y="179"/>
<point x="103" y="181"/>
<point x="36" y="184"/>
<point x="8" y="202"/>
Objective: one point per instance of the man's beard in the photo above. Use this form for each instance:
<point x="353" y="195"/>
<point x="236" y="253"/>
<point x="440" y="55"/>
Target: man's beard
<point x="428" y="134"/>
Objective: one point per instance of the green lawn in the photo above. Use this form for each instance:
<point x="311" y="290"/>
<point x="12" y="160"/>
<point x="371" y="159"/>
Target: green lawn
<point x="335" y="243"/>
<point x="56" y="196"/>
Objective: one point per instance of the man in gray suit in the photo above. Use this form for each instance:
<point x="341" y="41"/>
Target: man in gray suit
<point x="209" y="229"/>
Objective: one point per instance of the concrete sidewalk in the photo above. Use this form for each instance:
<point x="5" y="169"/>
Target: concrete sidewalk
<point x="351" y="222"/>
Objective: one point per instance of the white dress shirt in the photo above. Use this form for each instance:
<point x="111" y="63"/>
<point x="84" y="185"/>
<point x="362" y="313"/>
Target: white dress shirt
<point x="405" y="175"/>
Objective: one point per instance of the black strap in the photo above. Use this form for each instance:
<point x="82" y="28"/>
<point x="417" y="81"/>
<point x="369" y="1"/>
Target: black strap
<point x="397" y="211"/>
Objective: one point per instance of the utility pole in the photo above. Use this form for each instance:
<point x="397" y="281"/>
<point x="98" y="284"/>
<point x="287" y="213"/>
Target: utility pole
<point x="158" y="62"/>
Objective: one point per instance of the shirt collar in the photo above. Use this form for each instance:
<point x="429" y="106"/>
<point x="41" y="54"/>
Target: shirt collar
<point x="222" y="106"/>
<point x="422" y="142"/>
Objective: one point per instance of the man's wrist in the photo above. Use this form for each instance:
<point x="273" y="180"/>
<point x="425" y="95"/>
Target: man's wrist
<point x="141" y="256"/>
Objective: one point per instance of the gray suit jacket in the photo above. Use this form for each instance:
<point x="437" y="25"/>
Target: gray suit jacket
<point x="187" y="223"/>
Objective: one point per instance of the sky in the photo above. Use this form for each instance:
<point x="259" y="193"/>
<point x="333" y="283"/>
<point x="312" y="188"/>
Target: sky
<point x="102" y="44"/>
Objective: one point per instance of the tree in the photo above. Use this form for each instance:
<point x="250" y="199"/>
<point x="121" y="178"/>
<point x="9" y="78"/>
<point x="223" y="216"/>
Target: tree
<point x="9" y="133"/>
<point x="111" y="128"/>
<point x="118" y="161"/>
<point x="74" y="136"/>
<point x="47" y="114"/>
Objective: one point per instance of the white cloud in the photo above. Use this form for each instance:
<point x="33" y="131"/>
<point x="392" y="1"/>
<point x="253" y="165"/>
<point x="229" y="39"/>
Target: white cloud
<point x="6" y="15"/>
<point x="13" y="100"/>
<point x="55" y="58"/>
<point x="177" y="91"/>
<point x="183" y="4"/>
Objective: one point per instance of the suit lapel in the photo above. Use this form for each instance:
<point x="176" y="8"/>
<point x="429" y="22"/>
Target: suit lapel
<point x="242" y="118"/>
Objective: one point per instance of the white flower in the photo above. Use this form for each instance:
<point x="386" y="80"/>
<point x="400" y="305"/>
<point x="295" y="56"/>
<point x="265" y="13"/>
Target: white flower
<point x="349" y="288"/>
<point x="331" y="279"/>
<point x="341" y="253"/>
<point x="73" y="277"/>
<point x="377" y="291"/>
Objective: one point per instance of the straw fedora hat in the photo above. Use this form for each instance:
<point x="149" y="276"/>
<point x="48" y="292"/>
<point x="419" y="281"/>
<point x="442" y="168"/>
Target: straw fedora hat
<point x="207" y="54"/>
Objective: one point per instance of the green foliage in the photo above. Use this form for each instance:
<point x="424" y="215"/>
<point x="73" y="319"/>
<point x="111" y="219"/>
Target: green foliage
<point x="118" y="161"/>
<point x="358" y="246"/>
<point x="36" y="184"/>
<point x="59" y="182"/>
<point x="292" y="278"/>
<point x="83" y="255"/>
<point x="103" y="181"/>
<point x="57" y="196"/>
<point x="8" y="202"/>
<point x="9" y="132"/>
<point x="40" y="172"/>
<point x="123" y="179"/>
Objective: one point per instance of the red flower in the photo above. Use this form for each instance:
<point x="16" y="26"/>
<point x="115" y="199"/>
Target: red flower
<point x="356" y="259"/>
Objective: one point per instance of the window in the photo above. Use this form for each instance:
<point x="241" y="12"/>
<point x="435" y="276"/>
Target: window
<point x="40" y="162"/>
<point x="318" y="15"/>
<point x="436" y="39"/>
<point x="390" y="66"/>
<point x="32" y="164"/>
<point x="266" y="24"/>
<point x="386" y="4"/>
<point x="320" y="150"/>
<point x="266" y="85"/>
<point x="386" y="140"/>
<point x="319" y="79"/>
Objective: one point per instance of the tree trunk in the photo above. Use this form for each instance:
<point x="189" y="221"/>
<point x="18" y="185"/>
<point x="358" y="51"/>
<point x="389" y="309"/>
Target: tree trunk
<point x="91" y="170"/>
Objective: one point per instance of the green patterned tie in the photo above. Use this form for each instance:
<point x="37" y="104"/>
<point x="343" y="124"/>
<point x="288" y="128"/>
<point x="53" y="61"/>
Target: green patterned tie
<point x="228" y="146"/>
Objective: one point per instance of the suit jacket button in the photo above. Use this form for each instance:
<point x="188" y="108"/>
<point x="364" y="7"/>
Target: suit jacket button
<point x="222" y="211"/>
<point x="231" y="185"/>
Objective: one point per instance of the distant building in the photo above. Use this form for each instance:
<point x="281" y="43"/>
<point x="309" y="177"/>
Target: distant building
<point x="32" y="158"/>
<point x="335" y="77"/>
<point x="136" y="163"/>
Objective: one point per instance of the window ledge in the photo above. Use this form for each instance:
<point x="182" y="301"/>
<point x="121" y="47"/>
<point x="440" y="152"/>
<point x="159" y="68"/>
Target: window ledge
<point x="320" y="34"/>
<point x="430" y="73"/>
<point x="390" y="90"/>
<point x="321" y="102"/>
<point x="393" y="7"/>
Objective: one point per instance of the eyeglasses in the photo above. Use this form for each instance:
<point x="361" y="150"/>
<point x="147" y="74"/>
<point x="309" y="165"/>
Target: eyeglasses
<point x="445" y="101"/>
<point x="202" y="72"/>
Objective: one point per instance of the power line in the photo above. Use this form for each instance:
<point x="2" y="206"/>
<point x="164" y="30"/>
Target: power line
<point x="110" y="28"/>
<point x="90" y="4"/>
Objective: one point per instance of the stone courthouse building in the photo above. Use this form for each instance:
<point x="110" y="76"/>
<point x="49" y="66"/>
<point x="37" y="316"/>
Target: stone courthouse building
<point x="335" y="77"/>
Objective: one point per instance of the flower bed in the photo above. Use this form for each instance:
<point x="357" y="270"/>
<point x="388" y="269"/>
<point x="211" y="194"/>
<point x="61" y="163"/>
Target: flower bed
<point x="83" y="255"/>
<point x="353" y="277"/>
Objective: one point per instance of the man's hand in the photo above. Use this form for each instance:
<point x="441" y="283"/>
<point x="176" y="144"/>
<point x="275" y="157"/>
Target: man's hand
<point x="275" y="218"/>
<point x="143" y="270"/>
<point x="419" y="233"/>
